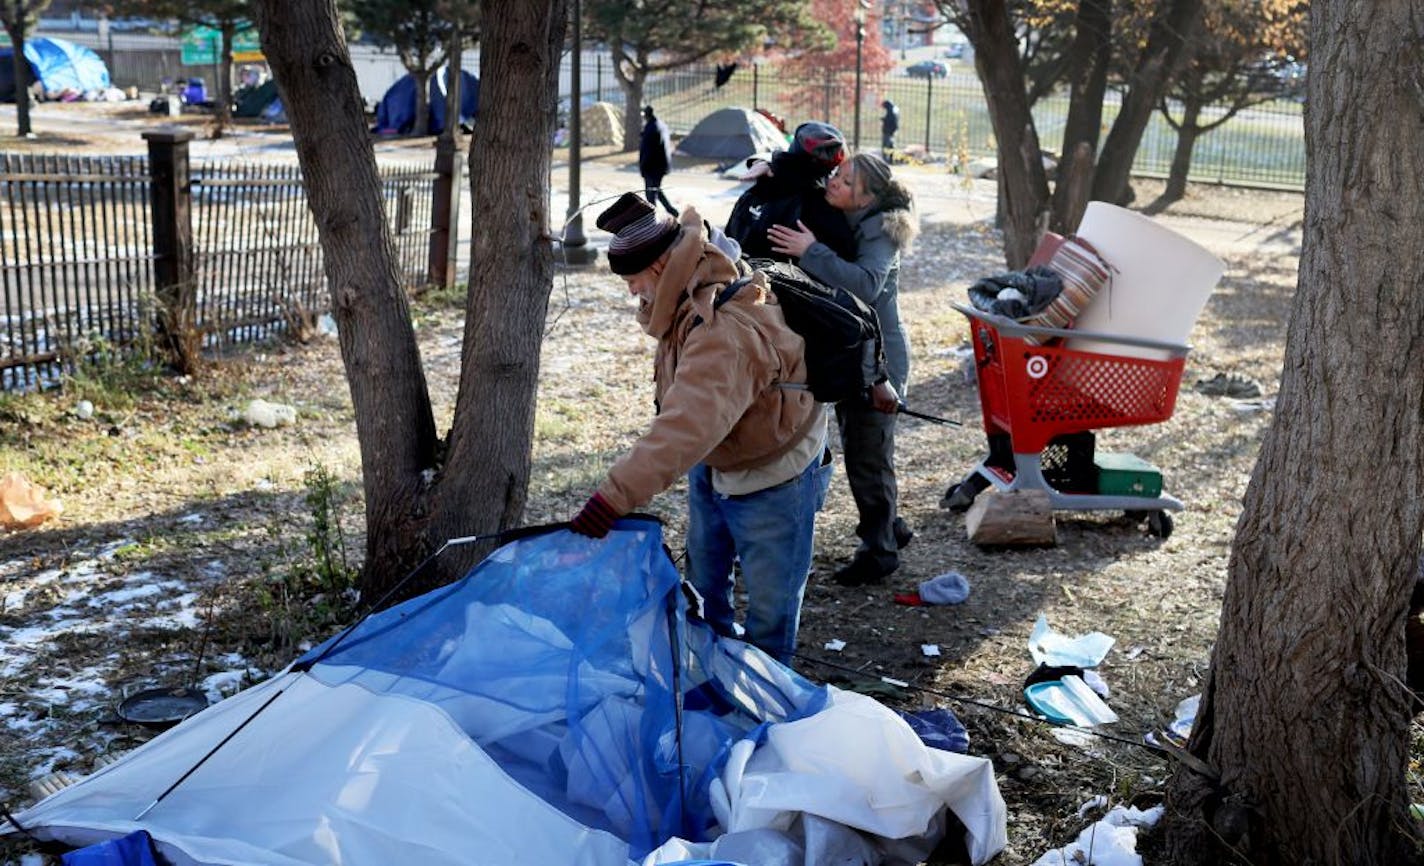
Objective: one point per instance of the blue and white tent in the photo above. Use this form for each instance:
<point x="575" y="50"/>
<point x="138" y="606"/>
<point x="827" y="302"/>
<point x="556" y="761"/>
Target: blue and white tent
<point x="555" y="706"/>
<point x="395" y="113"/>
<point x="57" y="64"/>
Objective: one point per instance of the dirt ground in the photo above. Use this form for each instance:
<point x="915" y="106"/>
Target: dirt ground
<point x="224" y="509"/>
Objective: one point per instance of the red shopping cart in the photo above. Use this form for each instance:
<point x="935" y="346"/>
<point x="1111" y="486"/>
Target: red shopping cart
<point x="1037" y="392"/>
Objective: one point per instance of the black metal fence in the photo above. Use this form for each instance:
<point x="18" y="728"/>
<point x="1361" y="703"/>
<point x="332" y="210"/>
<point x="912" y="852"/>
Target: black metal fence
<point x="946" y="118"/>
<point x="77" y="260"/>
<point x="78" y="240"/>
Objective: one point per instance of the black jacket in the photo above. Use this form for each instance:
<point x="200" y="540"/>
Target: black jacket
<point x="794" y="190"/>
<point x="654" y="150"/>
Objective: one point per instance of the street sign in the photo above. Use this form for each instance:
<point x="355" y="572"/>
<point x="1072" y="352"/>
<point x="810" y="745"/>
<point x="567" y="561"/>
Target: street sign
<point x="202" y="46"/>
<point x="247" y="47"/>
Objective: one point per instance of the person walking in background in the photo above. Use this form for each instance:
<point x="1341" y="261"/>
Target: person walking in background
<point x="889" y="125"/>
<point x="754" y="453"/>
<point x="655" y="159"/>
<point x="881" y="210"/>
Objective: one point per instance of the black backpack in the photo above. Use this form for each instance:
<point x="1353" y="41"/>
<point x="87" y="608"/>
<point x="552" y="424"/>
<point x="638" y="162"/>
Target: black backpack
<point x="844" y="354"/>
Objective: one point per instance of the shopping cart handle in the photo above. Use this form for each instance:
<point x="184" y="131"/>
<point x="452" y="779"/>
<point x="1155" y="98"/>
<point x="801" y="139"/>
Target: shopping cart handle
<point x="1010" y="328"/>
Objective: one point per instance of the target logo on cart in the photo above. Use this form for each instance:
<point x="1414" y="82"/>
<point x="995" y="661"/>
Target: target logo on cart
<point x="1037" y="366"/>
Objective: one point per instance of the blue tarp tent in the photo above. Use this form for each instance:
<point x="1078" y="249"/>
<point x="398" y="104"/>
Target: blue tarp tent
<point x="395" y="113"/>
<point x="557" y="705"/>
<point x="56" y="64"/>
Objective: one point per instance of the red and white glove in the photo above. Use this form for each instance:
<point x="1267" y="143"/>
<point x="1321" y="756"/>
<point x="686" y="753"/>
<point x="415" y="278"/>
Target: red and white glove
<point x="595" y="519"/>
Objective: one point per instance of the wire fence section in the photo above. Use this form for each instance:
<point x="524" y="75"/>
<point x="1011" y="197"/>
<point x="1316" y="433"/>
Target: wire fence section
<point x="78" y="256"/>
<point x="76" y="261"/>
<point x="943" y="115"/>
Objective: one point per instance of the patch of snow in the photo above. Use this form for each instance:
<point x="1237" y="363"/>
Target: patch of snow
<point x="112" y="549"/>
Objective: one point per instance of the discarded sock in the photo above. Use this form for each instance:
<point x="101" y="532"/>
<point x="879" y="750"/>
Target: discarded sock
<point x="949" y="588"/>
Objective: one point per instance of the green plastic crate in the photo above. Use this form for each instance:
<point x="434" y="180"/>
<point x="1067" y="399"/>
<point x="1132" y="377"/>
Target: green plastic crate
<point x="1127" y="475"/>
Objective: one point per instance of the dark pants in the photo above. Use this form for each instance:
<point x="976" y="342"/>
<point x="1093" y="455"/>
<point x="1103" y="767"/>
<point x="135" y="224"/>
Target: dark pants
<point x="868" y="446"/>
<point x="653" y="192"/>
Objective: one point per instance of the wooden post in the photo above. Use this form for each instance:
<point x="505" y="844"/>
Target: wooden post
<point x="445" y="207"/>
<point x="171" y="206"/>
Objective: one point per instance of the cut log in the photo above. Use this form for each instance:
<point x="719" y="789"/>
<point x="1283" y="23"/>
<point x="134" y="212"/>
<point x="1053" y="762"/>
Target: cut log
<point x="1012" y="518"/>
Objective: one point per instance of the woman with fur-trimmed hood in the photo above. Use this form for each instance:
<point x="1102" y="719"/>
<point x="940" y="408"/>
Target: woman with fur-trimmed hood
<point x="881" y="211"/>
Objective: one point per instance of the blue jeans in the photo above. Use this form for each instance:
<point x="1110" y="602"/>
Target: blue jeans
<point x="771" y="532"/>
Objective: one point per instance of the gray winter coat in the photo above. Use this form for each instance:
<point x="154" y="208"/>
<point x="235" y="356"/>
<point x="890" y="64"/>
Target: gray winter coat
<point x="874" y="277"/>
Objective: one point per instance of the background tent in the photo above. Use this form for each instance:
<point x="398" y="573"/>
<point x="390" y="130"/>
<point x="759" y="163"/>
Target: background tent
<point x="57" y="64"/>
<point x="732" y="133"/>
<point x="554" y="706"/>
<point x="395" y="113"/>
<point x="262" y="101"/>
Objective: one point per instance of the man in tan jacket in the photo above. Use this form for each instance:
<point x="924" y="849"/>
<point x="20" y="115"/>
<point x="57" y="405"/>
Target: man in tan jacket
<point x="729" y="415"/>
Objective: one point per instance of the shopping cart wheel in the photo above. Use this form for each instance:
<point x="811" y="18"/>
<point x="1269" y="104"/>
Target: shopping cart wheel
<point x="960" y="496"/>
<point x="1159" y="523"/>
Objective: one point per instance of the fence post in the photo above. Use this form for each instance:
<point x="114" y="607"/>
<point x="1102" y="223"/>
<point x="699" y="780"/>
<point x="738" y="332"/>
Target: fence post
<point x="175" y="283"/>
<point x="929" y="110"/>
<point x="444" y="211"/>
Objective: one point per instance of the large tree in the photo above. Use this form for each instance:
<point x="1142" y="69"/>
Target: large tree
<point x="658" y="35"/>
<point x="420" y="489"/>
<point x="421" y="32"/>
<point x="1247" y="50"/>
<point x="1015" y="68"/>
<point x="19" y="18"/>
<point x="1303" y="732"/>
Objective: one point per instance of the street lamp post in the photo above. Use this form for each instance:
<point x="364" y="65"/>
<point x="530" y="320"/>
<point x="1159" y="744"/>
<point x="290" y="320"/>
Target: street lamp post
<point x="576" y="248"/>
<point x="859" y="43"/>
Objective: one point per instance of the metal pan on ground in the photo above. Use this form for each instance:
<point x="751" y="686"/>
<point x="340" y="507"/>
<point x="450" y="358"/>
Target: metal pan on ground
<point x="162" y="707"/>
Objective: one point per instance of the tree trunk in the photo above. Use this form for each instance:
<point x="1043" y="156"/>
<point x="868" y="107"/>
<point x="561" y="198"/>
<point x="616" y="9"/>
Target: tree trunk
<point x="1187" y="133"/>
<point x="1304" y="714"/>
<point x="223" y="97"/>
<point x="303" y="42"/>
<point x="511" y="274"/>
<point x="1167" y="42"/>
<point x="632" y="100"/>
<point x="1085" y="112"/>
<point x="1023" y="183"/>
<point x="22" y="81"/>
<point x="422" y="102"/>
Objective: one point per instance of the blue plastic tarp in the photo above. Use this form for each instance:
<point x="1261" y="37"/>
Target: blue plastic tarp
<point x="57" y="64"/>
<point x="395" y="113"/>
<point x="135" y="849"/>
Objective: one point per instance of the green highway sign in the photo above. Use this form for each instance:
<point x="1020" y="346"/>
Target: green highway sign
<point x="202" y="46"/>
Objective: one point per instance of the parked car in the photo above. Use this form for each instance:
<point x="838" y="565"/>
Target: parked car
<point x="927" y="68"/>
<point x="956" y="50"/>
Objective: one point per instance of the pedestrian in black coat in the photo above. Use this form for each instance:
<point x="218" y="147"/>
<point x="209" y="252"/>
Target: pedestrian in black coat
<point x="655" y="159"/>
<point x="889" y="125"/>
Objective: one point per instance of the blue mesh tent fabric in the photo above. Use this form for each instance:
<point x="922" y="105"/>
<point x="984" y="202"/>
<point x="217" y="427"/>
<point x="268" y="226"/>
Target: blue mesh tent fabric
<point x="395" y="113"/>
<point x="556" y="705"/>
<point x="573" y="680"/>
<point x="57" y="64"/>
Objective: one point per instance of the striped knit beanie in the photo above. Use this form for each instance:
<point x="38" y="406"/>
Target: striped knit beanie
<point x="639" y="236"/>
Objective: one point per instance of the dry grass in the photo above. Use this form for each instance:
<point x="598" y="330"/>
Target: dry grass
<point x="153" y="457"/>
